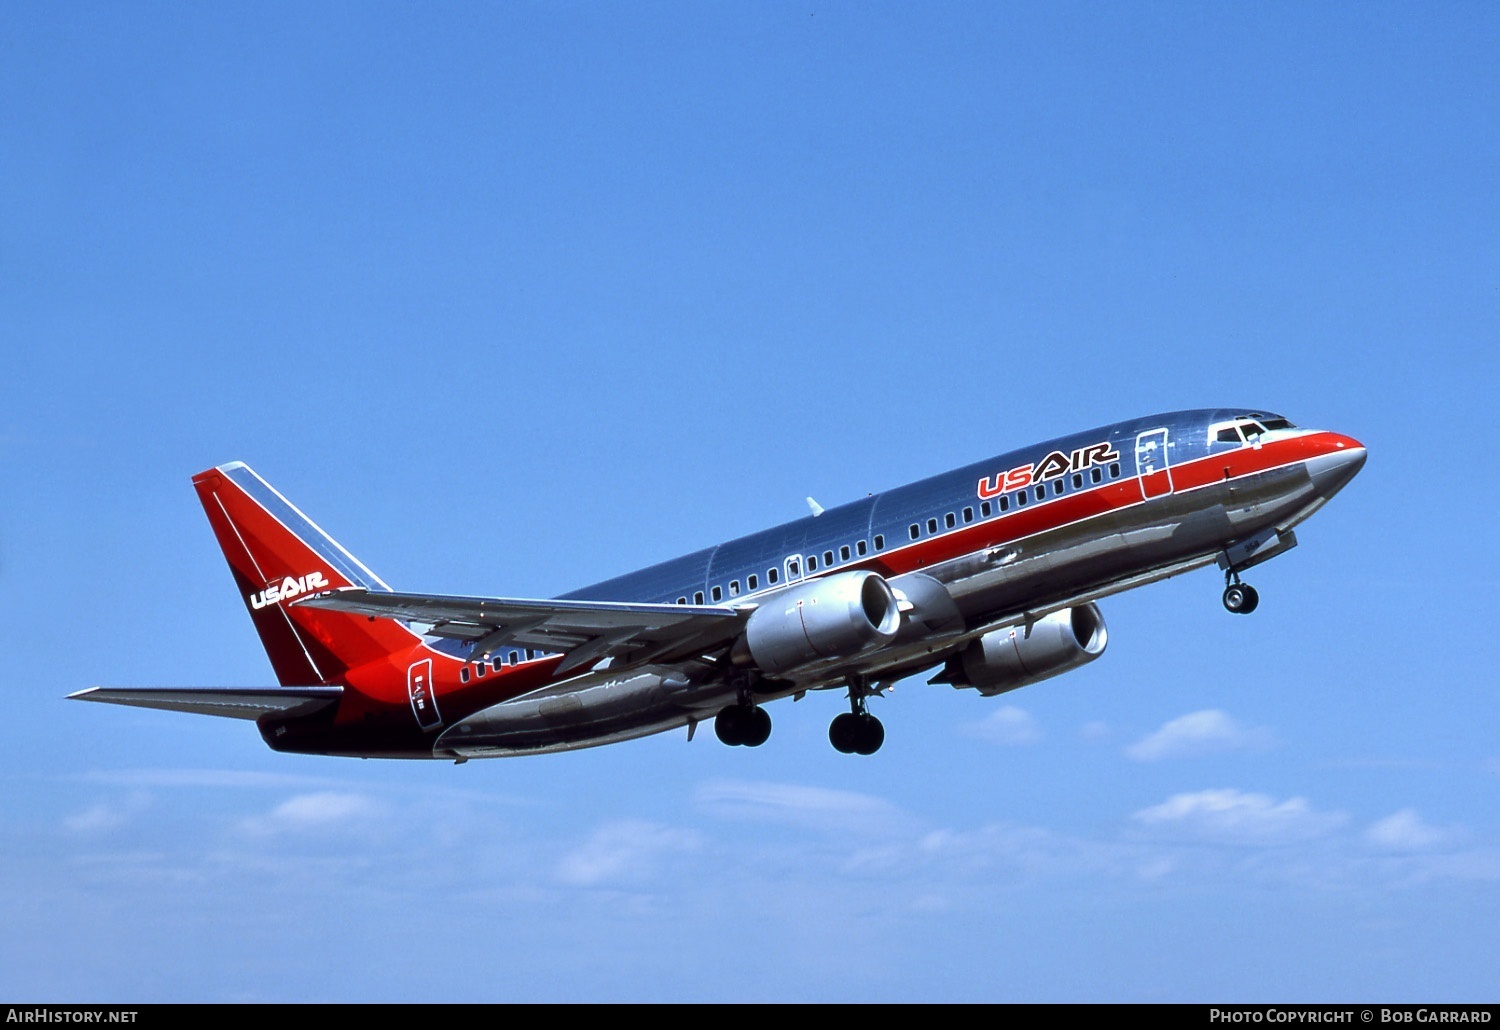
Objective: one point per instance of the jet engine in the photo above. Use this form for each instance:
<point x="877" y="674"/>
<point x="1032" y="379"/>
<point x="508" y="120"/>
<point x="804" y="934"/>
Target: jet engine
<point x="1005" y="659"/>
<point x="834" y="617"/>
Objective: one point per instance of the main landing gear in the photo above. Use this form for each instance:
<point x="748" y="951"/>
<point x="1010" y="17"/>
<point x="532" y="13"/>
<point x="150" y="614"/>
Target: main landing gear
<point x="743" y="724"/>
<point x="1240" y="598"/>
<point x="856" y="731"/>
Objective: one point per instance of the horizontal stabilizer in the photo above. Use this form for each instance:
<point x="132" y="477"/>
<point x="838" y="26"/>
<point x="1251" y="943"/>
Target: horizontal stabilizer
<point x="230" y="702"/>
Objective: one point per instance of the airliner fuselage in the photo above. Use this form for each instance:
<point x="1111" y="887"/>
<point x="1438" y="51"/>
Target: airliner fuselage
<point x="988" y="574"/>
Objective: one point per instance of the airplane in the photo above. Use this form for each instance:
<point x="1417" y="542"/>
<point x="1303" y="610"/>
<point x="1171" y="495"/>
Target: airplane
<point x="988" y="574"/>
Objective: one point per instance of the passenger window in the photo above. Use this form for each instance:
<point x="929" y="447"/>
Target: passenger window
<point x="718" y="593"/>
<point x="1022" y="498"/>
<point x="682" y="600"/>
<point x="698" y="597"/>
<point x="844" y="553"/>
<point x="968" y="514"/>
<point x="515" y="658"/>
<point x="772" y="575"/>
<point x="463" y="674"/>
<point x="1078" y="481"/>
<point x="879" y="541"/>
<point x="734" y="588"/>
<point x="916" y="531"/>
<point x="828" y="559"/>
<point x="1057" y="488"/>
<point x="1004" y="503"/>
<point x="1096" y="475"/>
<point x="861" y="548"/>
<point x="931" y="526"/>
<point x="1114" y="470"/>
<point x="984" y="509"/>
<point x="949" y="520"/>
<point x="794" y="568"/>
<point x="752" y="582"/>
<point x="496" y="662"/>
<point x="812" y="563"/>
<point x="481" y="669"/>
<point x="1041" y="492"/>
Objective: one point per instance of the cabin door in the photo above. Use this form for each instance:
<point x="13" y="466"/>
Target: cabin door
<point x="419" y="691"/>
<point x="1152" y="464"/>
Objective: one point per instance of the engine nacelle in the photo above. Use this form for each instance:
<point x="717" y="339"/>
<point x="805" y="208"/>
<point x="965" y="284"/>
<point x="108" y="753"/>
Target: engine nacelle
<point x="834" y="617"/>
<point x="1009" y="658"/>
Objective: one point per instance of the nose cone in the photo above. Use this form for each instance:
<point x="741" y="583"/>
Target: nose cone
<point x="1332" y="470"/>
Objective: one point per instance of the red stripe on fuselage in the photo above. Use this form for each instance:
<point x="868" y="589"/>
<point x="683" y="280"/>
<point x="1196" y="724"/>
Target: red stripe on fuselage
<point x="1107" y="498"/>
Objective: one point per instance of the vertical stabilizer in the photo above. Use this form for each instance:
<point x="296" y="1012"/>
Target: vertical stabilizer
<point x="277" y="554"/>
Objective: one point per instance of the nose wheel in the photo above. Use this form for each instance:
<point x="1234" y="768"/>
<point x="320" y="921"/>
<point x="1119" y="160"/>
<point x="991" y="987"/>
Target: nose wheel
<point x="1239" y="598"/>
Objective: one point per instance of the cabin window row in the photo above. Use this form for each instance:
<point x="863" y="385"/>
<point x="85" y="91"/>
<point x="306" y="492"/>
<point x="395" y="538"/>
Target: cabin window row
<point x="515" y="656"/>
<point x="830" y="558"/>
<point x="1018" y="499"/>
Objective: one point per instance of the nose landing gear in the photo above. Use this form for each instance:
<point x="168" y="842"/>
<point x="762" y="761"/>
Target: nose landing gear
<point x="1239" y="598"/>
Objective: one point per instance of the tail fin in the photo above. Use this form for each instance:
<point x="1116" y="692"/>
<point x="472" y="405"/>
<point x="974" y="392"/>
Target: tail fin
<point x="277" y="554"/>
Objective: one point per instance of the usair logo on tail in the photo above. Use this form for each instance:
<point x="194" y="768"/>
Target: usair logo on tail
<point x="287" y="589"/>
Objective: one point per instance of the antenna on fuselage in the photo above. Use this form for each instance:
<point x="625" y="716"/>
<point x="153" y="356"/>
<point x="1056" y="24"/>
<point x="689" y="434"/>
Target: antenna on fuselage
<point x="817" y="509"/>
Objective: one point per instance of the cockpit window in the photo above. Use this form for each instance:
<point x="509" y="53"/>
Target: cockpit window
<point x="1246" y="428"/>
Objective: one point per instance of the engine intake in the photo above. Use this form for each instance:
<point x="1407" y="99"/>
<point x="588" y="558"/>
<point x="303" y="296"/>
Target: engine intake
<point x="834" y="617"/>
<point x="1005" y="659"/>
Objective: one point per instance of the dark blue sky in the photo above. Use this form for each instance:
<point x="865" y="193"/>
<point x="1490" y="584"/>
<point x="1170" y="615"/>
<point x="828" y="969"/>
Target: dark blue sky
<point x="511" y="298"/>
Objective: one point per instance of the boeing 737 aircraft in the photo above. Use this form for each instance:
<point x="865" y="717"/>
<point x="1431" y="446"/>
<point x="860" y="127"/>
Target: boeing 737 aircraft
<point x="988" y="574"/>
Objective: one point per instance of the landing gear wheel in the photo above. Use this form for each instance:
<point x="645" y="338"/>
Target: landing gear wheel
<point x="857" y="731"/>
<point x="757" y="727"/>
<point x="871" y="734"/>
<point x="843" y="733"/>
<point x="727" y="725"/>
<point x="1241" y="598"/>
<point x="747" y="725"/>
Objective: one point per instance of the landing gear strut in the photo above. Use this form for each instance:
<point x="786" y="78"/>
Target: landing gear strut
<point x="743" y="724"/>
<point x="856" y="731"/>
<point x="1240" y="598"/>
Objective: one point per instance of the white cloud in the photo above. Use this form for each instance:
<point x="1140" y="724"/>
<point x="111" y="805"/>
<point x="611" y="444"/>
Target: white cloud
<point x="816" y="807"/>
<point x="1404" y="831"/>
<point x="106" y="815"/>
<point x="1096" y="730"/>
<point x="1006" y="725"/>
<point x="628" y="850"/>
<point x="213" y="778"/>
<point x="317" y="811"/>
<point x="1239" y="817"/>
<point x="1198" y="733"/>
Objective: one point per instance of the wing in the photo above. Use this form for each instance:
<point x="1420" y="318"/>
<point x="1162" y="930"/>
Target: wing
<point x="232" y="702"/>
<point x="586" y="631"/>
